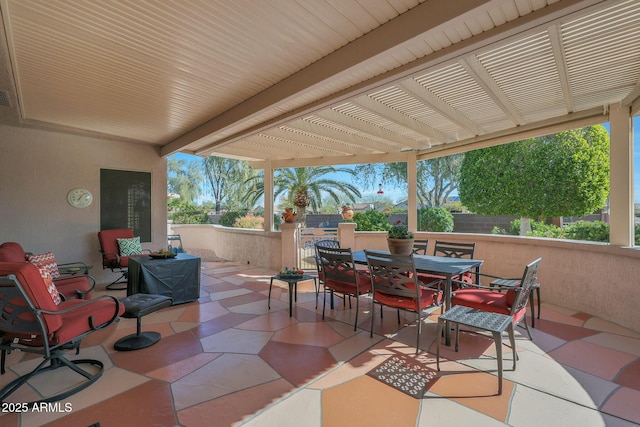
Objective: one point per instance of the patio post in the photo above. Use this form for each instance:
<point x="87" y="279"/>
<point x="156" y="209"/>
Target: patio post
<point x="268" y="196"/>
<point x="289" y="236"/>
<point x="347" y="234"/>
<point x="621" y="217"/>
<point x="412" y="191"/>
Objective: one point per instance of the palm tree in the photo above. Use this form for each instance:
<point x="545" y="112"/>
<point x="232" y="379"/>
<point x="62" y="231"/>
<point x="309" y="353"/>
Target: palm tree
<point x="309" y="184"/>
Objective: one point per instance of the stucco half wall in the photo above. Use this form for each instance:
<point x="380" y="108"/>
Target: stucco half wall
<point x="594" y="278"/>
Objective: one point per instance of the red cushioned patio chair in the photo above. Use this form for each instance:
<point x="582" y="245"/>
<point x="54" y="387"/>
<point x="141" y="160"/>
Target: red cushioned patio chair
<point x="75" y="283"/>
<point x="34" y="320"/>
<point x="113" y="258"/>
<point x="341" y="276"/>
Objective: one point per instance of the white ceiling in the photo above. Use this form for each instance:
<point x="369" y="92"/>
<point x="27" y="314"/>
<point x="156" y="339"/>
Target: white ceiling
<point x="300" y="82"/>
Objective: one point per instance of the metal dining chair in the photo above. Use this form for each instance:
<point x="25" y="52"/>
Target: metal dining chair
<point x="394" y="284"/>
<point x="420" y="246"/>
<point x="340" y="275"/>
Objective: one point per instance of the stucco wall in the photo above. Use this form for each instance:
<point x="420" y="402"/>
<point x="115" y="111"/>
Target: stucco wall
<point x="255" y="247"/>
<point x="595" y="278"/>
<point x="38" y="168"/>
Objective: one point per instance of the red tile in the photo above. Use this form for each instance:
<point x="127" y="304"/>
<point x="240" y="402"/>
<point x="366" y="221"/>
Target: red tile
<point x="629" y="376"/>
<point x="624" y="404"/>
<point x="600" y="361"/>
<point x="564" y="332"/>
<point x="149" y="404"/>
<point x="298" y="364"/>
<point x="235" y="407"/>
<point x="165" y="352"/>
<point x="221" y="323"/>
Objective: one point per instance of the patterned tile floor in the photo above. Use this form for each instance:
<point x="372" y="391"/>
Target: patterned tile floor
<point x="228" y="360"/>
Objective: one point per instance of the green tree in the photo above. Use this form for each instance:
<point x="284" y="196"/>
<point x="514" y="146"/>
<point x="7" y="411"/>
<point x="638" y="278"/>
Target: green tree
<point x="223" y="176"/>
<point x="184" y="178"/>
<point x="565" y="174"/>
<point x="436" y="179"/>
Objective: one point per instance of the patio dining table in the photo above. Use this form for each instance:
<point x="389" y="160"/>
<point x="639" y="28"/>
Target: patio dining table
<point x="440" y="266"/>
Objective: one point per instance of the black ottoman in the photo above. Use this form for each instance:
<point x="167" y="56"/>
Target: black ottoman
<point x="139" y="305"/>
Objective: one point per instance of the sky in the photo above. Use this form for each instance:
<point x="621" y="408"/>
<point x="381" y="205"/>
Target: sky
<point x="397" y="195"/>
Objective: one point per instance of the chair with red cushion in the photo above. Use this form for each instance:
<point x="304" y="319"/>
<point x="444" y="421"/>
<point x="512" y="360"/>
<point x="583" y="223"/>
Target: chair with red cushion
<point x="512" y="303"/>
<point x="341" y="276"/>
<point x="112" y="257"/>
<point x="451" y="250"/>
<point x="34" y="320"/>
<point x="320" y="281"/>
<point x="77" y="285"/>
<point x="394" y="283"/>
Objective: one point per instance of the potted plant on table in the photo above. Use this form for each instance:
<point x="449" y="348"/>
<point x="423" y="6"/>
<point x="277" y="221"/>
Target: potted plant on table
<point x="400" y="240"/>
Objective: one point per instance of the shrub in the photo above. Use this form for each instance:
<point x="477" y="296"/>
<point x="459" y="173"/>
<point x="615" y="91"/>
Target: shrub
<point x="538" y="229"/>
<point x="371" y="220"/>
<point x="228" y="219"/>
<point x="596" y="231"/>
<point x="435" y="219"/>
<point x="186" y="213"/>
<point x="249" y="221"/>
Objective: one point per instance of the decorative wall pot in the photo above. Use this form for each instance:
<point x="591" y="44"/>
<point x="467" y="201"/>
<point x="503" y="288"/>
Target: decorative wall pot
<point x="289" y="215"/>
<point x="347" y="213"/>
<point x="400" y="246"/>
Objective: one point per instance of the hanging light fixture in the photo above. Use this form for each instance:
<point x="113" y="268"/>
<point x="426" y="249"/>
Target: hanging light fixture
<point x="380" y="189"/>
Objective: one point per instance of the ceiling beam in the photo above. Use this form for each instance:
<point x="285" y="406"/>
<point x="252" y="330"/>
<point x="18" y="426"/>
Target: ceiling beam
<point x="416" y="89"/>
<point x="393" y="141"/>
<point x="400" y="119"/>
<point x="532" y="130"/>
<point x="557" y="47"/>
<point x="337" y="160"/>
<point x="482" y="77"/>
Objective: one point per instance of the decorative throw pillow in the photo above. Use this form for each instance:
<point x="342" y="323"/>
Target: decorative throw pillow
<point x="46" y="260"/>
<point x="48" y="282"/>
<point x="130" y="247"/>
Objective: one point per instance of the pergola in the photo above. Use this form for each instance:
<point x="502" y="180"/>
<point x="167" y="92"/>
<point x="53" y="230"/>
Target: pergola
<point x="302" y="83"/>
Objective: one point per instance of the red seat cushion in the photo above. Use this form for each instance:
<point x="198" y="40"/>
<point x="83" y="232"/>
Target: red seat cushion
<point x="483" y="299"/>
<point x="70" y="286"/>
<point x="75" y="322"/>
<point x="428" y="297"/>
<point x="12" y="252"/>
<point x="362" y="277"/>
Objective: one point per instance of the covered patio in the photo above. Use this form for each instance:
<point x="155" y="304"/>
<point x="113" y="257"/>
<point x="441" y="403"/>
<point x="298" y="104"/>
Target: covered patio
<point x="86" y="86"/>
<point x="228" y="360"/>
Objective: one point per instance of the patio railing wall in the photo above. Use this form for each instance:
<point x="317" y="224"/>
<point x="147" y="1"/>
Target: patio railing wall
<point x="595" y="278"/>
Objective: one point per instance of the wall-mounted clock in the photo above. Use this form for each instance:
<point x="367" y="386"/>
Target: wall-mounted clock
<point x="79" y="197"/>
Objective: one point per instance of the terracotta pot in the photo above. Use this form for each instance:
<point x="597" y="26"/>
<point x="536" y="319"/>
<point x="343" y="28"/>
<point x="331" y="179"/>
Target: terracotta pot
<point x="347" y="213"/>
<point x="289" y="215"/>
<point x="400" y="246"/>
